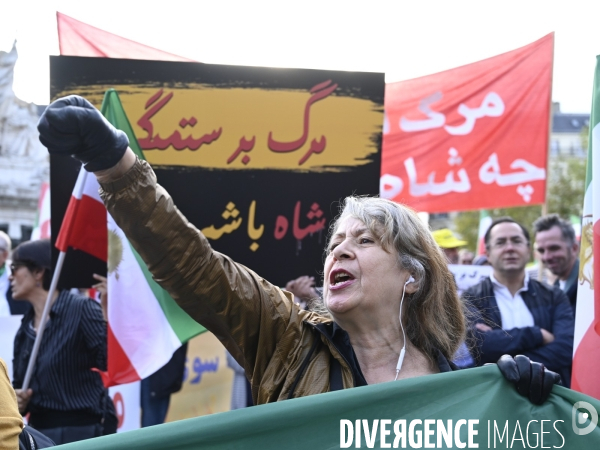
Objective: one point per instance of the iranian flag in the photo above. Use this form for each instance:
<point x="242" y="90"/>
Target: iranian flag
<point x="145" y="325"/>
<point x="586" y="348"/>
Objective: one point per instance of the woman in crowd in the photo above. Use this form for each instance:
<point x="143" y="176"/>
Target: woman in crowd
<point x="390" y="305"/>
<point x="66" y="399"/>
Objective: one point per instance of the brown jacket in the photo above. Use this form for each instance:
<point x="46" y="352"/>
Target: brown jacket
<point x="279" y="345"/>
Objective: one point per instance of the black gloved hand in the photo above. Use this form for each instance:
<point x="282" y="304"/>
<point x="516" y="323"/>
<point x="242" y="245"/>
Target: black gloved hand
<point x="72" y="126"/>
<point x="532" y="379"/>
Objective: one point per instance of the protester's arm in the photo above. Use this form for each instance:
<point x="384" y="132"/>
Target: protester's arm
<point x="489" y="340"/>
<point x="492" y="344"/>
<point x="11" y="422"/>
<point x="119" y="169"/>
<point x="558" y="353"/>
<point x="93" y="329"/>
<point x="244" y="311"/>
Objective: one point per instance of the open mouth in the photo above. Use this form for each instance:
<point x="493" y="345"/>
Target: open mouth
<point x="339" y="277"/>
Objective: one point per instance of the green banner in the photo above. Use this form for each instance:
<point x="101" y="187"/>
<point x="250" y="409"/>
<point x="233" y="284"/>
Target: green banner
<point x="473" y="408"/>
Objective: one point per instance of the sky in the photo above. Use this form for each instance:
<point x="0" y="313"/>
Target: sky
<point x="404" y="39"/>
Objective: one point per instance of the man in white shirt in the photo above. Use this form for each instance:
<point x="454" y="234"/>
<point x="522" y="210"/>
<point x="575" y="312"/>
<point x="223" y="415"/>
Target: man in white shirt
<point x="515" y="314"/>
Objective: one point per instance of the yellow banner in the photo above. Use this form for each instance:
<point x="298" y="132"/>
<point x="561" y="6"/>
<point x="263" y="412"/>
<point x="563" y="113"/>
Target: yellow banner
<point x="207" y="382"/>
<point x="249" y="128"/>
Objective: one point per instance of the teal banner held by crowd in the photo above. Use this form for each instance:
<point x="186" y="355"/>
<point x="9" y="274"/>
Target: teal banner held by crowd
<point x="472" y="408"/>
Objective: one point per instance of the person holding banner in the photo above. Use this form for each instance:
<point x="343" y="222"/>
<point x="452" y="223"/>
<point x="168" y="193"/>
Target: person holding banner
<point x="66" y="400"/>
<point x="390" y="306"/>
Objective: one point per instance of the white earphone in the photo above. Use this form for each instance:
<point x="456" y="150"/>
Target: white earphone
<point x="411" y="279"/>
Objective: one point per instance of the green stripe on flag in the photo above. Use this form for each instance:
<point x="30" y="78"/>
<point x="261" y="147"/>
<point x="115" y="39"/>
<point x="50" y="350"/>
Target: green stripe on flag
<point x="183" y="325"/>
<point x="594" y="121"/>
<point x="113" y="110"/>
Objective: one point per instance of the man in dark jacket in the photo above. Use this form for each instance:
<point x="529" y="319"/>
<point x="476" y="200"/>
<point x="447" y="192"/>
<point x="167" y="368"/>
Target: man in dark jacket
<point x="515" y="314"/>
<point x="558" y="249"/>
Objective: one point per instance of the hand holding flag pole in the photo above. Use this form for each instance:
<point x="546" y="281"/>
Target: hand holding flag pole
<point x="72" y="126"/>
<point x="77" y="231"/>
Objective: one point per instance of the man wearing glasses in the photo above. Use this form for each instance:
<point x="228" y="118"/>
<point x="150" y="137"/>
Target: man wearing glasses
<point x="515" y="314"/>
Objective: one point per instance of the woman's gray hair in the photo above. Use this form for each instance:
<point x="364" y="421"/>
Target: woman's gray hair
<point x="437" y="314"/>
<point x="397" y="226"/>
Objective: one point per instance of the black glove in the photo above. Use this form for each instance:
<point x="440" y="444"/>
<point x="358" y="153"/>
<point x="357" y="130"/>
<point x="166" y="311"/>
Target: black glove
<point x="532" y="379"/>
<point x="72" y="126"/>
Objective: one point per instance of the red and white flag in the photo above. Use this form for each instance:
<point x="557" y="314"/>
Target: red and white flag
<point x="84" y="224"/>
<point x="474" y="137"/>
<point x="77" y="38"/>
<point x="135" y="350"/>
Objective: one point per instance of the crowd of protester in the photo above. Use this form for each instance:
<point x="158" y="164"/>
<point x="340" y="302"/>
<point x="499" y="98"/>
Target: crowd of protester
<point x="508" y="312"/>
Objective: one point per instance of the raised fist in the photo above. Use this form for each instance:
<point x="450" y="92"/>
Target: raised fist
<point x="73" y="126"/>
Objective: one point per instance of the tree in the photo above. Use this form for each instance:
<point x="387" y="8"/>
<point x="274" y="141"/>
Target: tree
<point x="467" y="223"/>
<point x="566" y="186"/>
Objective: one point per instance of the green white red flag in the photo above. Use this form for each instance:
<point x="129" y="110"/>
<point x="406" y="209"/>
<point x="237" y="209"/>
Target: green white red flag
<point x="586" y="347"/>
<point x="145" y="325"/>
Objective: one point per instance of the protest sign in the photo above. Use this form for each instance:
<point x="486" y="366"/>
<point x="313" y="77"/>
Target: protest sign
<point x="256" y="158"/>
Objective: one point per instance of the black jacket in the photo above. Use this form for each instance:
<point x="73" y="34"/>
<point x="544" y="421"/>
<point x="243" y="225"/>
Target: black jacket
<point x="168" y="379"/>
<point x="571" y="285"/>
<point x="551" y="311"/>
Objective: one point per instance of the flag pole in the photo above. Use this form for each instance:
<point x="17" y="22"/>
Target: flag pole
<point x="540" y="266"/>
<point x="53" y="284"/>
<point x="42" y="326"/>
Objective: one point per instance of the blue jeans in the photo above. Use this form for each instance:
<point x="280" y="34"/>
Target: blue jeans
<point x="65" y="435"/>
<point x="154" y="410"/>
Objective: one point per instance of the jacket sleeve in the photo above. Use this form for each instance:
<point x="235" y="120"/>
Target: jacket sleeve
<point x="559" y="353"/>
<point x="244" y="311"/>
<point x="489" y="346"/>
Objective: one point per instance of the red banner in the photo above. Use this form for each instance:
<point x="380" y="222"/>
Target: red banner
<point x="77" y="38"/>
<point x="472" y="137"/>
